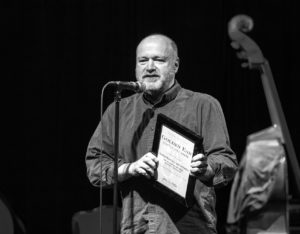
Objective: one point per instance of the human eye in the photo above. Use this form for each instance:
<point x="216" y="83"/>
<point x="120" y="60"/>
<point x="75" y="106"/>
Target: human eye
<point x="160" y="60"/>
<point x="142" y="60"/>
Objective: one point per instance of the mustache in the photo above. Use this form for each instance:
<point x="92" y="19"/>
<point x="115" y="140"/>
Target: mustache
<point x="150" y="75"/>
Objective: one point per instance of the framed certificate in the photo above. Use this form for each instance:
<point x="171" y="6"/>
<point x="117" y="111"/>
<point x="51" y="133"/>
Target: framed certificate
<point x="174" y="145"/>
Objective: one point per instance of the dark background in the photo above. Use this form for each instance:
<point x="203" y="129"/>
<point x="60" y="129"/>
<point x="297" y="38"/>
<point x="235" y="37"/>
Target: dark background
<point x="57" y="55"/>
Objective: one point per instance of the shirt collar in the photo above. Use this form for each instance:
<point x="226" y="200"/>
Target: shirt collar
<point x="167" y="96"/>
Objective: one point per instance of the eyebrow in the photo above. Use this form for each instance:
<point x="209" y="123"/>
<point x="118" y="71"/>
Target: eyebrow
<point x="154" y="57"/>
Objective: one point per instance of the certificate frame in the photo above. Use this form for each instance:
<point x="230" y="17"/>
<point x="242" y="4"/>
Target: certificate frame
<point x="180" y="136"/>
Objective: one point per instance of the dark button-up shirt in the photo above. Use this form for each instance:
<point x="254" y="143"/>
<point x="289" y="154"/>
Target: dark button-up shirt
<point x="145" y="209"/>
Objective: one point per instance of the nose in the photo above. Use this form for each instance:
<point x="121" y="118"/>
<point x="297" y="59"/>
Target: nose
<point x="150" y="65"/>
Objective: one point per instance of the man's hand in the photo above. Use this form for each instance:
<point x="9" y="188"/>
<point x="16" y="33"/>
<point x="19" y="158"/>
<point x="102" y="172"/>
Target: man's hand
<point x="145" y="166"/>
<point x="200" y="168"/>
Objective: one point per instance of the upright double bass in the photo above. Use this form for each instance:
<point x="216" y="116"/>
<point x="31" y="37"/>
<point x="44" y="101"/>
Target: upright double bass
<point x="259" y="199"/>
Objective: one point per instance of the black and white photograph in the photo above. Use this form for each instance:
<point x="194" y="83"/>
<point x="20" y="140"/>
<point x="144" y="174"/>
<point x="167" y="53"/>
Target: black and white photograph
<point x="84" y="83"/>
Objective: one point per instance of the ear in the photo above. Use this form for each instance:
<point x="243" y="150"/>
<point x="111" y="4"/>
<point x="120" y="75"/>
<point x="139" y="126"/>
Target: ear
<point x="176" y="65"/>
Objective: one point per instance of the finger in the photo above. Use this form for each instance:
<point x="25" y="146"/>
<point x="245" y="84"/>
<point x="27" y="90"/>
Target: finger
<point x="199" y="164"/>
<point x="150" y="164"/>
<point x="151" y="156"/>
<point x="151" y="161"/>
<point x="198" y="157"/>
<point x="148" y="170"/>
<point x="142" y="171"/>
<point x="145" y="173"/>
<point x="143" y="167"/>
<point x="198" y="171"/>
<point x="196" y="164"/>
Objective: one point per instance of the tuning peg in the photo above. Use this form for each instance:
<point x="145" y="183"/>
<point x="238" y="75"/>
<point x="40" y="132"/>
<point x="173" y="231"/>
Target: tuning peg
<point x="235" y="45"/>
<point x="242" y="55"/>
<point x="245" y="65"/>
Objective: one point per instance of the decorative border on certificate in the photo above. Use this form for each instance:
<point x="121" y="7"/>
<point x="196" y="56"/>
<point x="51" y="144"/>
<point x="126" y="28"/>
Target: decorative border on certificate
<point x="174" y="145"/>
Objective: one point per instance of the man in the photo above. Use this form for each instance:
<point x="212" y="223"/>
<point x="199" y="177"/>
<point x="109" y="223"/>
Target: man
<point x="145" y="209"/>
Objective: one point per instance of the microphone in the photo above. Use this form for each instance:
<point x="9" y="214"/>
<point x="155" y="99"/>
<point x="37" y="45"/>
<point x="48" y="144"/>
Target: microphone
<point x="137" y="87"/>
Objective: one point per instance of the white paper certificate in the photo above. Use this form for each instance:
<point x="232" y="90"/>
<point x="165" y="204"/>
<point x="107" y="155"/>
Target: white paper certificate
<point x="174" y="154"/>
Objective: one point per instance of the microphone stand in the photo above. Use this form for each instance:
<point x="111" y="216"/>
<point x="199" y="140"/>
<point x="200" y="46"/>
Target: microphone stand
<point x="117" y="99"/>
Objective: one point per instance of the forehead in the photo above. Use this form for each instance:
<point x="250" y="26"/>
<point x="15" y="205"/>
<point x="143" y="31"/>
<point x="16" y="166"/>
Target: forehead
<point x="154" y="46"/>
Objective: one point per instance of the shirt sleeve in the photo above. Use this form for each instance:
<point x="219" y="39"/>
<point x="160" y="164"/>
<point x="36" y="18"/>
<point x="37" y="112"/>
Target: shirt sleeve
<point x="216" y="143"/>
<point x="100" y="152"/>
